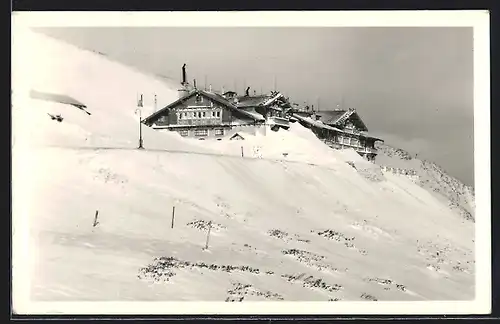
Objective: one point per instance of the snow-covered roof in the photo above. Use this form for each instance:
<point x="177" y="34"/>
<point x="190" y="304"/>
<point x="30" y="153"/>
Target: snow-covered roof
<point x="211" y="95"/>
<point x="334" y="117"/>
<point x="316" y="123"/>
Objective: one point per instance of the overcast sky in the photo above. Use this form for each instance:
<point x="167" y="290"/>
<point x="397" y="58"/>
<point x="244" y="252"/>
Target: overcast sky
<point x="413" y="86"/>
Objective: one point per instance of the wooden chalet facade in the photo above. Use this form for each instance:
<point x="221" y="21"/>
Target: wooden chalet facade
<point x="202" y="114"/>
<point x="273" y="107"/>
<point x="340" y="129"/>
<point x="206" y="114"/>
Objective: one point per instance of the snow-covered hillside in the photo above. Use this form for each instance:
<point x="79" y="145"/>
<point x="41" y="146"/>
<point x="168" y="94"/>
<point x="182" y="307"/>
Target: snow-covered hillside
<point x="313" y="224"/>
<point x="459" y="196"/>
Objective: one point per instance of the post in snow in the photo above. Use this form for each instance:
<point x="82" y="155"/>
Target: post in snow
<point x="140" y="127"/>
<point x="242" y="155"/>
<point x="173" y="216"/>
<point x="208" y="234"/>
<point x="95" y="219"/>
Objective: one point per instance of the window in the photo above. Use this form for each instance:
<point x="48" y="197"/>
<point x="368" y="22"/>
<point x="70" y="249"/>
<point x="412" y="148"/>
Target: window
<point x="199" y="99"/>
<point x="184" y="132"/>
<point x="213" y="113"/>
<point x="201" y="132"/>
<point x="199" y="114"/>
<point x="204" y="114"/>
<point x="218" y="114"/>
<point x="180" y="116"/>
<point x="219" y="132"/>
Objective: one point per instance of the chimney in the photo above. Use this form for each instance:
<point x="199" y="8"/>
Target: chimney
<point x="194" y="83"/>
<point x="140" y="101"/>
<point x="246" y="91"/>
<point x="184" y="79"/>
<point x="222" y="90"/>
<point x="210" y="88"/>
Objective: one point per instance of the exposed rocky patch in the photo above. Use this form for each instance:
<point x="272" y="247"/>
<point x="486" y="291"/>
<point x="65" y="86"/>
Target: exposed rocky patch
<point x="386" y="282"/>
<point x="444" y="257"/>
<point x="284" y="236"/>
<point x="203" y="225"/>
<point x="393" y="151"/>
<point x="311" y="282"/>
<point x="368" y="297"/>
<point x="239" y="291"/>
<point x="311" y="259"/>
<point x="162" y="269"/>
<point x="435" y="179"/>
<point x="279" y="234"/>
<point x="341" y="238"/>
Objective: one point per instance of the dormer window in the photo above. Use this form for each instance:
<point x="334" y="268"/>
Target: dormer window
<point x="199" y="99"/>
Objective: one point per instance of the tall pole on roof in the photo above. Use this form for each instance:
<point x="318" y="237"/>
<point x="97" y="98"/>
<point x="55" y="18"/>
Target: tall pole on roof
<point x="205" y="82"/>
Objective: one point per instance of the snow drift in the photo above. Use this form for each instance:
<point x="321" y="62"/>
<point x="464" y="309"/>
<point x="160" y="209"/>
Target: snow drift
<point x="304" y="225"/>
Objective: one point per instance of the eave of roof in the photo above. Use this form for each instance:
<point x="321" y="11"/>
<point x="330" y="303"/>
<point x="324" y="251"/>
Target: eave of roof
<point x="216" y="97"/>
<point x="316" y="123"/>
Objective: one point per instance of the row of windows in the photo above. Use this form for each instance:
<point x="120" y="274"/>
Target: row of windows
<point x="199" y="114"/>
<point x="350" y="141"/>
<point x="201" y="132"/>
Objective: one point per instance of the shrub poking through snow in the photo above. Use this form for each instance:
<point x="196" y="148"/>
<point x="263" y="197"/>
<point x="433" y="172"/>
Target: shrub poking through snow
<point x="311" y="282"/>
<point x="368" y="297"/>
<point x="277" y="233"/>
<point x="386" y="282"/>
<point x="282" y="235"/>
<point x="341" y="238"/>
<point x="162" y="268"/>
<point x="444" y="256"/>
<point x="204" y="225"/>
<point x="239" y="291"/>
<point x="311" y="259"/>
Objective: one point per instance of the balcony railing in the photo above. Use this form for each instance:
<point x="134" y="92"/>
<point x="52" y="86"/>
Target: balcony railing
<point x="357" y="148"/>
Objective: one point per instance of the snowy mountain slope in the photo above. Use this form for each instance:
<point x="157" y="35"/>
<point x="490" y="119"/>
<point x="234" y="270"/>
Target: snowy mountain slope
<point x="307" y="226"/>
<point x="459" y="196"/>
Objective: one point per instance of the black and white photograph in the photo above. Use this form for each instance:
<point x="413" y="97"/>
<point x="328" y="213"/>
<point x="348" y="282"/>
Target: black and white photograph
<point x="232" y="162"/>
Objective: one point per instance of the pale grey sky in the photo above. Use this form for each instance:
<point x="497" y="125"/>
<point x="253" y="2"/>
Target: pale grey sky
<point x="413" y="86"/>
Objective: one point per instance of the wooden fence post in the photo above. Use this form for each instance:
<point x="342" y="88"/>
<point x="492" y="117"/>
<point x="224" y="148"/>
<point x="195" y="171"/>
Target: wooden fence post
<point x="173" y="216"/>
<point x="242" y="155"/>
<point x="95" y="219"/>
<point x="208" y="234"/>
